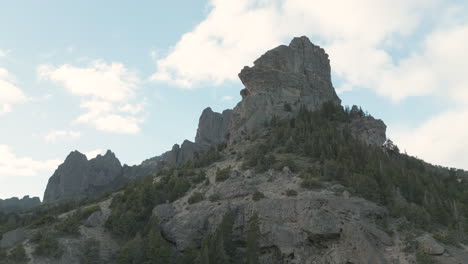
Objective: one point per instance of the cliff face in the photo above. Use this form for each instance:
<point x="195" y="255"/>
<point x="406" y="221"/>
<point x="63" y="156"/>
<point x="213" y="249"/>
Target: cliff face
<point x="282" y="81"/>
<point x="77" y="177"/>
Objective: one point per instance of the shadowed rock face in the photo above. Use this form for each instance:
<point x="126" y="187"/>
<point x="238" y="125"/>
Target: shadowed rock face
<point x="213" y="127"/>
<point x="15" y="205"/>
<point x="77" y="177"/>
<point x="281" y="82"/>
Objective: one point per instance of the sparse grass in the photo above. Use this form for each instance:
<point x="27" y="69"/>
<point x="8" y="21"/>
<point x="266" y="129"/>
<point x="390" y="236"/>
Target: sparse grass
<point x="214" y="197"/>
<point x="311" y="183"/>
<point x="257" y="195"/>
<point x="447" y="238"/>
<point x="196" y="198"/>
<point x="223" y="174"/>
<point x="46" y="245"/>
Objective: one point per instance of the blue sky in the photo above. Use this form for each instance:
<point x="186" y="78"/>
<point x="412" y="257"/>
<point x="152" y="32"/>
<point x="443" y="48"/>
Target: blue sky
<point x="134" y="77"/>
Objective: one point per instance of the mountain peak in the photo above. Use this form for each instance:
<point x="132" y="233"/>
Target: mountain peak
<point x="282" y="81"/>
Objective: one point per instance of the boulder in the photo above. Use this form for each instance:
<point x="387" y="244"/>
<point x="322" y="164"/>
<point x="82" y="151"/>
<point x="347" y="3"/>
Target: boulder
<point x="429" y="245"/>
<point x="13" y="237"/>
<point x="96" y="219"/>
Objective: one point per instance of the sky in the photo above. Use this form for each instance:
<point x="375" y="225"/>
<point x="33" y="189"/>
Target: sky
<point x="134" y="76"/>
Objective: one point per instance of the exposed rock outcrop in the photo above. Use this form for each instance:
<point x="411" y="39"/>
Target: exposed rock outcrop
<point x="77" y="177"/>
<point x="369" y="130"/>
<point x="16" y="205"/>
<point x="281" y="82"/>
<point x="312" y="227"/>
<point x="213" y="127"/>
<point x="13" y="238"/>
<point x="429" y="245"/>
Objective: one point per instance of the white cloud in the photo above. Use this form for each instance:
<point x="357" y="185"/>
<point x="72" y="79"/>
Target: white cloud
<point x="108" y="93"/>
<point x="9" y="93"/>
<point x="93" y="153"/>
<point x="398" y="49"/>
<point x="3" y="53"/>
<point x="11" y="165"/>
<point x="441" y="139"/>
<point x="111" y="82"/>
<point x="235" y="32"/>
<point x="56" y="135"/>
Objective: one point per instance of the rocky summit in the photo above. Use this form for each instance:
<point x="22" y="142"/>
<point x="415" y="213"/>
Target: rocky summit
<point x="282" y="81"/>
<point x="287" y="176"/>
<point x="79" y="177"/>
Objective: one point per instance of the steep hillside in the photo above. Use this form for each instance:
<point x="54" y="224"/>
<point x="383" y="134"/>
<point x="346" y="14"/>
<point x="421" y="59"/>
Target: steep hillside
<point x="287" y="176"/>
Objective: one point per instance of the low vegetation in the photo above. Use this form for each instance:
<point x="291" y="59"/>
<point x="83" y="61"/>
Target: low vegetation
<point x="47" y="245"/>
<point x="196" y="197"/>
<point x="428" y="196"/>
<point x="257" y="195"/>
<point x="223" y="174"/>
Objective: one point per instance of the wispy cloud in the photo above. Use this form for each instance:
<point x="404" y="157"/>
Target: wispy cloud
<point x="10" y="94"/>
<point x="235" y="32"/>
<point x="107" y="92"/>
<point x="12" y="165"/>
<point x="56" y="135"/>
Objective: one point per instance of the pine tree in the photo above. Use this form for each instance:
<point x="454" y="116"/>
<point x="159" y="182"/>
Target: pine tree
<point x="253" y="249"/>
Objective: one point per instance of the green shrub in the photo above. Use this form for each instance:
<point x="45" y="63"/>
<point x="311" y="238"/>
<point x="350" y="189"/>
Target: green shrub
<point x="199" y="177"/>
<point x="196" y="197"/>
<point x="90" y="252"/>
<point x="3" y="255"/>
<point x="310" y="183"/>
<point x="259" y="158"/>
<point x="257" y="195"/>
<point x="291" y="192"/>
<point x="131" y="252"/>
<point x="44" y="221"/>
<point x="18" y="255"/>
<point x="47" y="245"/>
<point x="422" y="258"/>
<point x="447" y="238"/>
<point x="69" y="226"/>
<point x="86" y="212"/>
<point x="222" y="174"/>
<point x="214" y="197"/>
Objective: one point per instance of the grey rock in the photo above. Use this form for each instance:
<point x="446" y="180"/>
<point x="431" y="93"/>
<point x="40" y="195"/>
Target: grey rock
<point x="429" y="245"/>
<point x="13" y="237"/>
<point x="17" y="205"/>
<point x="77" y="177"/>
<point x="281" y="82"/>
<point x="95" y="219"/>
<point x="213" y="127"/>
<point x="369" y="130"/>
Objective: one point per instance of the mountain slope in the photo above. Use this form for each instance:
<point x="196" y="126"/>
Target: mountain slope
<point x="287" y="176"/>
